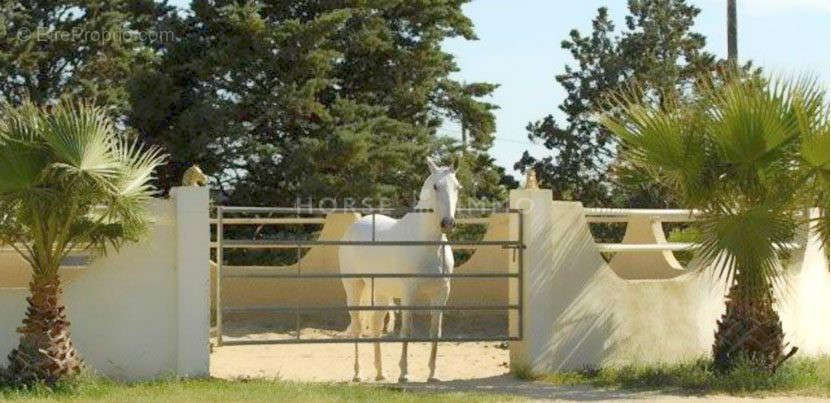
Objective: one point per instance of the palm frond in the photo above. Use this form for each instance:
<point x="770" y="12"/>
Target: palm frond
<point x="748" y="240"/>
<point x="133" y="188"/>
<point x="137" y="164"/>
<point x="21" y="164"/>
<point x="58" y="168"/>
<point x="20" y="123"/>
<point x="80" y="138"/>
<point x="744" y="150"/>
<point x="664" y="143"/>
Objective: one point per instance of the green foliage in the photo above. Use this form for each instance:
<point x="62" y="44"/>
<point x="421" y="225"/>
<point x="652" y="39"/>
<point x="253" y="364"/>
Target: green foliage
<point x="684" y="235"/>
<point x="656" y="49"/>
<point x="84" y="48"/>
<point x="734" y="152"/>
<point x="524" y="372"/>
<point x="282" y="102"/>
<point x="69" y="180"/>
<point x="807" y="376"/>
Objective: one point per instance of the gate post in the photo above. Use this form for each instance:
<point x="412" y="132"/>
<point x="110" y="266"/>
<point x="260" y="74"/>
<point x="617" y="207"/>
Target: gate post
<point x="193" y="280"/>
<point x="537" y="283"/>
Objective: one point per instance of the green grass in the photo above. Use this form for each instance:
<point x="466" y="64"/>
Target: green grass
<point x="797" y="376"/>
<point x="217" y="390"/>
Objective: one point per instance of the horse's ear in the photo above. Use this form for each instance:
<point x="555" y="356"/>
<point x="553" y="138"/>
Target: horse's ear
<point x="432" y="165"/>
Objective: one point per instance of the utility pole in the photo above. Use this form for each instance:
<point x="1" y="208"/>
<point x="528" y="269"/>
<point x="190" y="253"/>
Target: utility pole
<point x="464" y="135"/>
<point x="463" y="123"/>
<point x="732" y="48"/>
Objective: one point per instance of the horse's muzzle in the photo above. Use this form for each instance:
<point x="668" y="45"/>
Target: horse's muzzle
<point x="447" y="224"/>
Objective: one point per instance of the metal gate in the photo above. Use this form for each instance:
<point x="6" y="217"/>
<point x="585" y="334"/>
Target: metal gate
<point x="222" y="244"/>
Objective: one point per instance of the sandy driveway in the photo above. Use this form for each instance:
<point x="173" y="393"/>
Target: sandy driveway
<point x="478" y="367"/>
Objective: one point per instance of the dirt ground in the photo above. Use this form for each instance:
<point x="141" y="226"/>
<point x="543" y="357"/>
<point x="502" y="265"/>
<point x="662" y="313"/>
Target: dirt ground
<point x="334" y="362"/>
<point x="472" y="366"/>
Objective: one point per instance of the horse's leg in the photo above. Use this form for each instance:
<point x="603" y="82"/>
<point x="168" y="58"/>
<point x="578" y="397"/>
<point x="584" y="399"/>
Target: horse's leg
<point x="390" y="325"/>
<point x="376" y="326"/>
<point x="435" y="326"/>
<point x="354" y="289"/>
<point x="406" y="322"/>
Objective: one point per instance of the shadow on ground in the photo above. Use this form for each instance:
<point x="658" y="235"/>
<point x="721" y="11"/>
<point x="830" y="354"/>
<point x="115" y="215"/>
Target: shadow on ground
<point x="507" y="384"/>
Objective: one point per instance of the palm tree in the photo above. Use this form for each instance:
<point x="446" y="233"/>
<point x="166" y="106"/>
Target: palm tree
<point x="752" y="155"/>
<point x="68" y="182"/>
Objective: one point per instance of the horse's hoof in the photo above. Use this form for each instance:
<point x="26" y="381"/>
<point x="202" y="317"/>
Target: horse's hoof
<point x="380" y="378"/>
<point x="356" y="379"/>
<point x="402" y="379"/>
<point x="432" y="379"/>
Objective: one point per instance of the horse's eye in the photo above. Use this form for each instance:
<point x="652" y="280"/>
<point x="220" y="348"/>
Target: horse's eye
<point x="435" y="187"/>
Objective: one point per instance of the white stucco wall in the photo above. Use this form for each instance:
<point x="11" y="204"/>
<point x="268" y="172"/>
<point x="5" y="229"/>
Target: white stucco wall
<point x="141" y="312"/>
<point x="580" y="313"/>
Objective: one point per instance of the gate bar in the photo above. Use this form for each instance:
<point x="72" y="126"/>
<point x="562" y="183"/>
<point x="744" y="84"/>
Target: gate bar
<point x="294" y="245"/>
<point x="362" y="210"/>
<point x="320" y="210"/>
<point x="268" y="243"/>
<point x="369" y="340"/>
<point x="319" y="220"/>
<point x="218" y="299"/>
<point x="374" y="308"/>
<point x="520" y="269"/>
<point x="370" y="275"/>
<point x="297" y="297"/>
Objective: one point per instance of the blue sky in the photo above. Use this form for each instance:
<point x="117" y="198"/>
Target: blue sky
<point x="519" y="48"/>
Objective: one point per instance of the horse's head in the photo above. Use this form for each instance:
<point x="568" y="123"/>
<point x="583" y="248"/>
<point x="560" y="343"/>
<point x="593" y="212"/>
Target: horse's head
<point x="443" y="187"/>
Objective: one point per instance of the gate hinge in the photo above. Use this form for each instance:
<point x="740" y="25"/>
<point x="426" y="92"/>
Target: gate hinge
<point x="513" y="246"/>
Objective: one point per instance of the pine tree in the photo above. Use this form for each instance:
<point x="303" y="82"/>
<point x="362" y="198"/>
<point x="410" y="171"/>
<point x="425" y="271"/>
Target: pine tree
<point x="659" y="51"/>
<point x="83" y="48"/>
<point x="286" y="101"/>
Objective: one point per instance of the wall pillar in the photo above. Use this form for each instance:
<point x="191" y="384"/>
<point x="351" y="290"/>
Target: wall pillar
<point x="537" y="283"/>
<point x="193" y="280"/>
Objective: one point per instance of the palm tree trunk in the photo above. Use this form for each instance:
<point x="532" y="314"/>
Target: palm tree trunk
<point x="45" y="352"/>
<point x="749" y="329"/>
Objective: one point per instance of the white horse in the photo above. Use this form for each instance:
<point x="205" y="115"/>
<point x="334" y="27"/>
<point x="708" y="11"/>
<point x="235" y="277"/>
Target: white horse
<point x="439" y="194"/>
